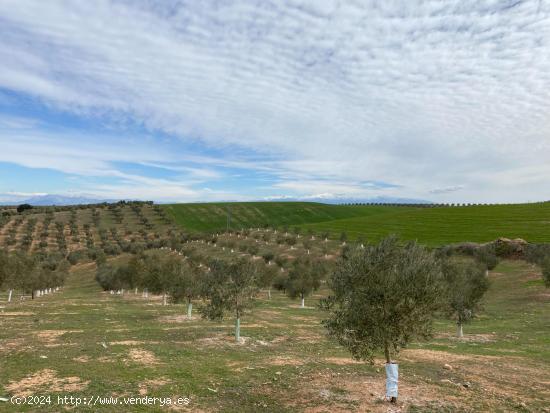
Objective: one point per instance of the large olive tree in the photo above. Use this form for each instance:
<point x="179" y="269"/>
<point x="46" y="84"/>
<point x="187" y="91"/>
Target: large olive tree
<point x="383" y="296"/>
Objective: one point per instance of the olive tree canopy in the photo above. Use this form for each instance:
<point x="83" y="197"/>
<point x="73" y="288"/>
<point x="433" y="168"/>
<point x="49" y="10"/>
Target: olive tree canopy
<point x="383" y="296"/>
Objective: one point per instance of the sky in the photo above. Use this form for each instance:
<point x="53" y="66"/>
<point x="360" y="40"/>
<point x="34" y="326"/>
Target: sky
<point x="187" y="101"/>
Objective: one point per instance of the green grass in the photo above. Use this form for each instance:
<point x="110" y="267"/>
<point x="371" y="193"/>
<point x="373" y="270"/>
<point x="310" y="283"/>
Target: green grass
<point x="286" y="364"/>
<point x="213" y="216"/>
<point x="430" y="226"/>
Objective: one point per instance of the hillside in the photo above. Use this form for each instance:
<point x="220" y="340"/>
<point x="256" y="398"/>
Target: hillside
<point x="432" y="226"/>
<point x="444" y="225"/>
<point x="71" y="228"/>
<point x="213" y="216"/>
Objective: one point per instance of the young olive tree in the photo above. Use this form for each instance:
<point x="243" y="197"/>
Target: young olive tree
<point x="108" y="277"/>
<point x="486" y="256"/>
<point x="383" y="296"/>
<point x="268" y="257"/>
<point x="304" y="277"/>
<point x="185" y="285"/>
<point x="266" y="276"/>
<point x="466" y="283"/>
<point x="229" y="287"/>
<point x="24" y="272"/>
<point x="158" y="273"/>
<point x="8" y="273"/>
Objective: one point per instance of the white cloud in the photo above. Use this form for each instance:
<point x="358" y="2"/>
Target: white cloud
<point x="417" y="94"/>
<point x="446" y="190"/>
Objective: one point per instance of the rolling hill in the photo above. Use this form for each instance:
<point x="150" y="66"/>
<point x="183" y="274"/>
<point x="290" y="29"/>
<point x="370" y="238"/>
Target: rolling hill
<point x="431" y="226"/>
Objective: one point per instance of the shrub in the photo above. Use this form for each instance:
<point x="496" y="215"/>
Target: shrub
<point x="23" y="207"/>
<point x="75" y="256"/>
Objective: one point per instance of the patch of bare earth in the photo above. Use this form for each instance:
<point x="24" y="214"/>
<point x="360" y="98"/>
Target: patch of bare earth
<point x="180" y="318"/>
<point x="471" y="338"/>
<point x="152" y="384"/>
<point x="15" y="313"/>
<point x="50" y="338"/>
<point x="285" y="361"/>
<point x="144" y="357"/>
<point x="342" y="361"/>
<point x="497" y="378"/>
<point x="333" y="392"/>
<point x="45" y="381"/>
<point x="129" y="343"/>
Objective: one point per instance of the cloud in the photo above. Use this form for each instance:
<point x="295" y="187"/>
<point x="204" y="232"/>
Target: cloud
<point x="418" y="95"/>
<point x="446" y="190"/>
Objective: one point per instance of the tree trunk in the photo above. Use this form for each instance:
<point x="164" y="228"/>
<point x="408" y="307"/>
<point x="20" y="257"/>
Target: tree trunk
<point x="303" y="302"/>
<point x="459" y="332"/>
<point x="269" y="293"/>
<point x="164" y="299"/>
<point x="238" y="330"/>
<point x="487" y="272"/>
<point x="189" y="309"/>
<point x="387" y="352"/>
<point x="9" y="296"/>
<point x="135" y="291"/>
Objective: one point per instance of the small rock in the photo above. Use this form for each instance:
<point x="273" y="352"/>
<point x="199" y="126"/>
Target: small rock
<point x="447" y="367"/>
<point x="466" y="385"/>
<point x="446" y="381"/>
<point x="43" y="357"/>
<point x="278" y="373"/>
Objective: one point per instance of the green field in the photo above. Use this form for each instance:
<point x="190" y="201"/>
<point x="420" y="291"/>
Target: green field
<point x="213" y="216"/>
<point x="84" y="342"/>
<point x="431" y="226"/>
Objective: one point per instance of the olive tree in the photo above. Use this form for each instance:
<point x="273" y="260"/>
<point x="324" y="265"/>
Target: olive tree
<point x="466" y="283"/>
<point x="487" y="257"/>
<point x="383" y="296"/>
<point x="160" y="272"/>
<point x="229" y="287"/>
<point x="8" y="272"/>
<point x="108" y="278"/>
<point x="304" y="277"/>
<point x="185" y="285"/>
<point x="266" y="277"/>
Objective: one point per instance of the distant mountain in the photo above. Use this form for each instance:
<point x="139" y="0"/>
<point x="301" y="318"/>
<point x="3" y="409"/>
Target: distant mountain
<point x="50" y="199"/>
<point x="329" y="199"/>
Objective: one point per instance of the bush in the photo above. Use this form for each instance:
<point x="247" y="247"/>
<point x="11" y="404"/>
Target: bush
<point x="23" y="207"/>
<point x="111" y="249"/>
<point x="536" y="253"/>
<point x="75" y="256"/>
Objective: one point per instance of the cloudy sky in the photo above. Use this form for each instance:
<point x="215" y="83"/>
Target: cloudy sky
<point x="237" y="100"/>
